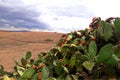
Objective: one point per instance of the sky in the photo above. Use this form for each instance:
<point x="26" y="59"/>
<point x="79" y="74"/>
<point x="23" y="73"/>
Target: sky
<point x="54" y="15"/>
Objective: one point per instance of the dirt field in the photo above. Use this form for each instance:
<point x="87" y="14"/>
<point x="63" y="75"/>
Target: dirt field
<point x="14" y="44"/>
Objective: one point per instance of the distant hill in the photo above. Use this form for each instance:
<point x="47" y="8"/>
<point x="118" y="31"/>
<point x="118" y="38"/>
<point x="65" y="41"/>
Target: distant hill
<point x="14" y="31"/>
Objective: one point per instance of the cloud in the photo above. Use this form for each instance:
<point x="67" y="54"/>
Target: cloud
<point x="104" y="8"/>
<point x="63" y="15"/>
<point x="19" y="15"/>
<point x="67" y="18"/>
<point x="54" y="15"/>
<point x="74" y="11"/>
<point x="68" y="15"/>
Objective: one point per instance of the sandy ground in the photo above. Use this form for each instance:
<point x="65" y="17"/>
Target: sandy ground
<point x="13" y="45"/>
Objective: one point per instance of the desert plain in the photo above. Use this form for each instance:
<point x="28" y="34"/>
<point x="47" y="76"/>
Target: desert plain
<point x="13" y="45"/>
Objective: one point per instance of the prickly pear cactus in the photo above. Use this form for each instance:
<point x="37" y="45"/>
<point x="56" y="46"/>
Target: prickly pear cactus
<point x="93" y="53"/>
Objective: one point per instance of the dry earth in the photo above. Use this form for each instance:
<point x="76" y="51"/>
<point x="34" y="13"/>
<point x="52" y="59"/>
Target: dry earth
<point x="13" y="45"/>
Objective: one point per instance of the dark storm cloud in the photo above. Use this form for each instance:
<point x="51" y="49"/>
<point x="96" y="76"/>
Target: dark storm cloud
<point x="19" y="16"/>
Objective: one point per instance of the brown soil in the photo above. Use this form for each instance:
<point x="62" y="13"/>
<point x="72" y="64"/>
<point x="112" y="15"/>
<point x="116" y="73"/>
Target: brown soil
<point x="13" y="45"/>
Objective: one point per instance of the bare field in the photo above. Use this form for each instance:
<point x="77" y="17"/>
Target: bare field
<point x="13" y="45"/>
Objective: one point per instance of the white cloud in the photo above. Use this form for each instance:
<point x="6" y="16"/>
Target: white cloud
<point x="62" y="15"/>
<point x="104" y="8"/>
<point x="67" y="15"/>
<point x="52" y="2"/>
<point x="64" y="23"/>
<point x="3" y="20"/>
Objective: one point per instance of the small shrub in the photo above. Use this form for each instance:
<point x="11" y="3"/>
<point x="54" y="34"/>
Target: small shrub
<point x="48" y="40"/>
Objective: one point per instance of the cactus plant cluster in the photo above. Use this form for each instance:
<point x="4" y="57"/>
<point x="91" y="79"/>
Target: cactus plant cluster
<point x="93" y="53"/>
